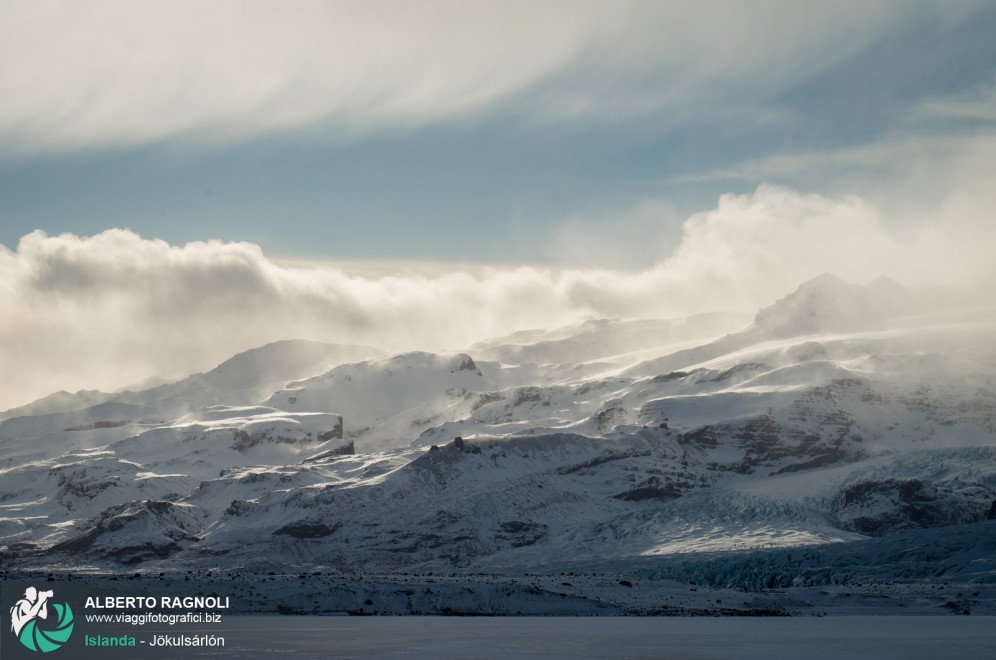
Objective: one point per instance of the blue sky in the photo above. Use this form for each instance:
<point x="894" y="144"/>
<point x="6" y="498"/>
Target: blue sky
<point x="454" y="177"/>
<point x="182" y="180"/>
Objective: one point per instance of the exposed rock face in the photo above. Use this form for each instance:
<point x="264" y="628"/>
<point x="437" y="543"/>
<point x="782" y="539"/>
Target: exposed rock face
<point x="334" y="434"/>
<point x="654" y="489"/>
<point x="519" y="533"/>
<point x="807" y="438"/>
<point x="877" y="508"/>
<point x="305" y="529"/>
<point x="467" y="364"/>
<point x="136" y="532"/>
<point x="252" y="435"/>
<point x="346" y="448"/>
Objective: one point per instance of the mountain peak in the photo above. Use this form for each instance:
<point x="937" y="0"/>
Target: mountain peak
<point x="826" y="303"/>
<point x="823" y="281"/>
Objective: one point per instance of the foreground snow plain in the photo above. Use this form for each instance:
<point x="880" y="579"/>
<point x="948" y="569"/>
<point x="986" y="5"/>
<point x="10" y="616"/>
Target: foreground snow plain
<point x="833" y="453"/>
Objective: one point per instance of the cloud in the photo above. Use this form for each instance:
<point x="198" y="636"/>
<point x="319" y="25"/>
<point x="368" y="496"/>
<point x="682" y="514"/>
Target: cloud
<point x="108" y="72"/>
<point x="917" y="158"/>
<point x="978" y="103"/>
<point x="626" y="238"/>
<point x="929" y="175"/>
<point x="111" y="309"/>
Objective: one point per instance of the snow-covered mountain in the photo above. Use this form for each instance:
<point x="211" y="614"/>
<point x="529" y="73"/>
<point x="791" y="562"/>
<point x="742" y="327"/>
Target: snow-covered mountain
<point x="243" y="379"/>
<point x="841" y="416"/>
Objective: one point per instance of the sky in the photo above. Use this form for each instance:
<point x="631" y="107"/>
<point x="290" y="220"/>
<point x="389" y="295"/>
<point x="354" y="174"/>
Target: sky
<point x="182" y="180"/>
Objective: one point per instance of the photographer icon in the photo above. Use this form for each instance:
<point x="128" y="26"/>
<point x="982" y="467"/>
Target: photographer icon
<point x="30" y="607"/>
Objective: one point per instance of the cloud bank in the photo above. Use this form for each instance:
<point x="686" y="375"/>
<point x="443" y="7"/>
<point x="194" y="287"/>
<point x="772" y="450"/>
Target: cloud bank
<point x="108" y="72"/>
<point x="108" y="310"/>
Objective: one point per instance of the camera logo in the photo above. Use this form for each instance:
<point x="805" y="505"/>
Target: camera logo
<point x="31" y="624"/>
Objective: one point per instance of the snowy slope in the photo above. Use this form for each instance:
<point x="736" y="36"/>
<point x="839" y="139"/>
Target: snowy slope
<point x="605" y="339"/>
<point x="241" y="380"/>
<point x="843" y="416"/>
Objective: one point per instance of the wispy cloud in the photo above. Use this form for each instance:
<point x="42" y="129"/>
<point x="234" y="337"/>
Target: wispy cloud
<point x="892" y="154"/>
<point x="978" y="103"/>
<point x="111" y="309"/>
<point x="632" y="237"/>
<point x="119" y="73"/>
<point x="919" y="182"/>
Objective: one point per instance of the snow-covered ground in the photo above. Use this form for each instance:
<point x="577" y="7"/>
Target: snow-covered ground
<point x="846" y="435"/>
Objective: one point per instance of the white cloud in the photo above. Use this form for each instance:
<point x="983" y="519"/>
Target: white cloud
<point x="922" y="182"/>
<point x="112" y="72"/>
<point x="111" y="309"/>
<point x="628" y="238"/>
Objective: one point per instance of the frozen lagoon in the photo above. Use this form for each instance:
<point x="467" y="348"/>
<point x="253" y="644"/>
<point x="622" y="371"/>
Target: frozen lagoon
<point x="871" y="637"/>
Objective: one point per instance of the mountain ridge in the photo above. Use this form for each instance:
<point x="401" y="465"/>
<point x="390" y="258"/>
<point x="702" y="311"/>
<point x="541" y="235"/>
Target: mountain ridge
<point x="804" y="430"/>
